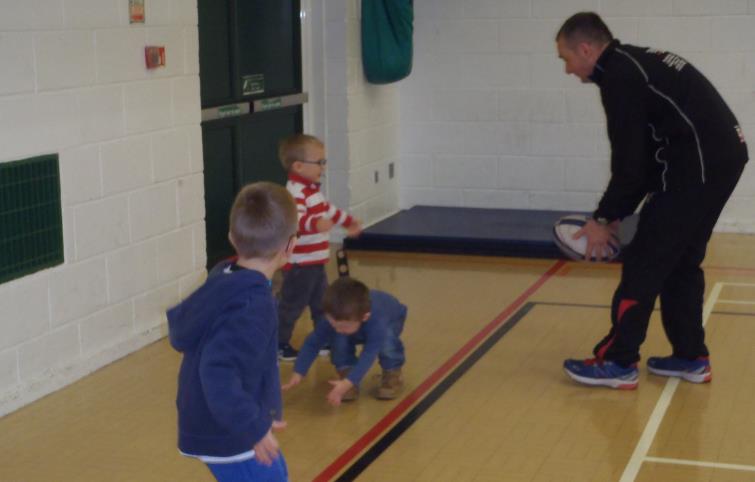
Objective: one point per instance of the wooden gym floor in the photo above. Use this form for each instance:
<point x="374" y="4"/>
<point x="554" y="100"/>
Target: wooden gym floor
<point x="485" y="397"/>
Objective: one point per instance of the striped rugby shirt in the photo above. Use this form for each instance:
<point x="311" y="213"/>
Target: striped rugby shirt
<point x="312" y="247"/>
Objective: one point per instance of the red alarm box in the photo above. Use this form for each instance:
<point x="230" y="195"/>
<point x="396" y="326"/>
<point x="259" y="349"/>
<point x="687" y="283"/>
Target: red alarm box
<point x="154" y="56"/>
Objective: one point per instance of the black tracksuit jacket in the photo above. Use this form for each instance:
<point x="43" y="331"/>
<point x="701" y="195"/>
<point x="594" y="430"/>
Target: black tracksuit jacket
<point x="668" y="127"/>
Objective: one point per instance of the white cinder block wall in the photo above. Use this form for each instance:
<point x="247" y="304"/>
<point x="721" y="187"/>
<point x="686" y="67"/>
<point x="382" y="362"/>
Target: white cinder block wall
<point x="73" y="82"/>
<point x="362" y="121"/>
<point x="490" y="119"/>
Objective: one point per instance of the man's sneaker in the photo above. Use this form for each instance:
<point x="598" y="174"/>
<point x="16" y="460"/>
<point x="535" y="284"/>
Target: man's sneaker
<point x="286" y="352"/>
<point x="390" y="384"/>
<point x="602" y="372"/>
<point x="695" y="371"/>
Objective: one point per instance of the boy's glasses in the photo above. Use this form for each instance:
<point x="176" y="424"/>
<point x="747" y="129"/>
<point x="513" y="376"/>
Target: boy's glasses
<point x="320" y="163"/>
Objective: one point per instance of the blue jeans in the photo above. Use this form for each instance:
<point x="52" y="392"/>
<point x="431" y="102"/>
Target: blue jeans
<point x="251" y="471"/>
<point x="391" y="356"/>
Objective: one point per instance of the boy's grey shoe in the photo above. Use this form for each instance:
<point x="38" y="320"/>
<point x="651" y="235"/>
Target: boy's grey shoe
<point x="286" y="352"/>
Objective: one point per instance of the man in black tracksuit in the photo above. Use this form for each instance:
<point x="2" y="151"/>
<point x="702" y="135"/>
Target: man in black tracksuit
<point x="676" y="144"/>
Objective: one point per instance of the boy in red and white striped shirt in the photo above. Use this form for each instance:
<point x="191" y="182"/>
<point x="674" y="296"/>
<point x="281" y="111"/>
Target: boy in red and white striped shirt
<point x="304" y="278"/>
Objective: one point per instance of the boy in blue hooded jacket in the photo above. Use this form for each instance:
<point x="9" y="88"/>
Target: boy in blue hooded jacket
<point x="229" y="397"/>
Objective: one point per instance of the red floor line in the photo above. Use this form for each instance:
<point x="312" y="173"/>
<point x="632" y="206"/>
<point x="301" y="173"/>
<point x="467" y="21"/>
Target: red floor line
<point x="383" y="424"/>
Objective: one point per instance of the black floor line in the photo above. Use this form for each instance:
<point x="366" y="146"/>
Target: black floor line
<point x="415" y="413"/>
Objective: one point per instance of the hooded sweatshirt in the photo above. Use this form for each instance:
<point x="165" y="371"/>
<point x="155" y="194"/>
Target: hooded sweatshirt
<point x="228" y="384"/>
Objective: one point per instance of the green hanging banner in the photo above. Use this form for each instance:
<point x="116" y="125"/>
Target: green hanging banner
<point x="387" y="27"/>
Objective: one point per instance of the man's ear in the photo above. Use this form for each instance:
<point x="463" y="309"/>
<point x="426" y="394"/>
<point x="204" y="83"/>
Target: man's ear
<point x="296" y="167"/>
<point x="230" y="239"/>
<point x="584" y="49"/>
<point x="589" y="51"/>
<point x="366" y="316"/>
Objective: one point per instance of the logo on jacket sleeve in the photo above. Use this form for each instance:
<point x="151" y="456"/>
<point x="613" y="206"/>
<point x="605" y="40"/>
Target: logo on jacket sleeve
<point x="674" y="61"/>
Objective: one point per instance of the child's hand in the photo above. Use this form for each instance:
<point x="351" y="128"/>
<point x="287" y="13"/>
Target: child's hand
<point x="293" y="381"/>
<point x="354" y="229"/>
<point x="340" y="387"/>
<point x="267" y="449"/>
<point x="279" y="425"/>
<point x="324" y="225"/>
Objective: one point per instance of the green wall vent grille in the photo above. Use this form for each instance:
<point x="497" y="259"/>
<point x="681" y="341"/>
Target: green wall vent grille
<point x="31" y="221"/>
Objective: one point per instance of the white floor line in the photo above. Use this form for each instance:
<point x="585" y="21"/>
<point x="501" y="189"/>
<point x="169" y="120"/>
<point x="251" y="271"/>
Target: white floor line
<point x="737" y="302"/>
<point x="729" y="283"/>
<point x="700" y="463"/>
<point x="646" y="439"/>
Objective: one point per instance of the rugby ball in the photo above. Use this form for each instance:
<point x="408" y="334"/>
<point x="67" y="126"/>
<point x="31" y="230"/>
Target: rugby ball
<point x="563" y="232"/>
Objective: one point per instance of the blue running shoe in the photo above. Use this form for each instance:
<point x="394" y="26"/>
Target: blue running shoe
<point x="602" y="372"/>
<point x="695" y="371"/>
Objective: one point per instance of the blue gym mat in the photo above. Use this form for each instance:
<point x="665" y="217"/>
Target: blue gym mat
<point x="496" y="232"/>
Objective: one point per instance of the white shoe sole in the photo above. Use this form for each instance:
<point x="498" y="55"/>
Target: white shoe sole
<point x="692" y="377"/>
<point x="604" y="382"/>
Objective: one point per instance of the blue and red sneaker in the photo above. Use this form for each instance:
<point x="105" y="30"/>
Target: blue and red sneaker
<point x="602" y="372"/>
<point x="695" y="371"/>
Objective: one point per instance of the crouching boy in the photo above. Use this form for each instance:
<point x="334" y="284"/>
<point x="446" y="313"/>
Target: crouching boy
<point x="356" y="316"/>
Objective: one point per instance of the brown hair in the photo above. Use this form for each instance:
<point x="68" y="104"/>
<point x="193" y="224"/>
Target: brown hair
<point x="347" y="299"/>
<point x="585" y="26"/>
<point x="293" y="148"/>
<point x="263" y="219"/>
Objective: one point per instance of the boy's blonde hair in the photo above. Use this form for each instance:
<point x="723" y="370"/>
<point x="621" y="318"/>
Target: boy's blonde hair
<point x="294" y="148"/>
<point x="347" y="299"/>
<point x="263" y="219"/>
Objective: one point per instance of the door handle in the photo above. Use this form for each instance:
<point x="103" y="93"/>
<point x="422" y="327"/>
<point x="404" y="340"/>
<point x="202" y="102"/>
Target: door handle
<point x="260" y="105"/>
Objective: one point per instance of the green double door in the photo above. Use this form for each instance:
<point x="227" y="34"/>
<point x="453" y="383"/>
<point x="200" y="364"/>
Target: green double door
<point x="250" y="76"/>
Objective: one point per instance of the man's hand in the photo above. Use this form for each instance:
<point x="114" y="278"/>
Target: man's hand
<point x="279" y="425"/>
<point x="600" y="239"/>
<point x="267" y="449"/>
<point x="323" y="225"/>
<point x="340" y="387"/>
<point x="293" y="381"/>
